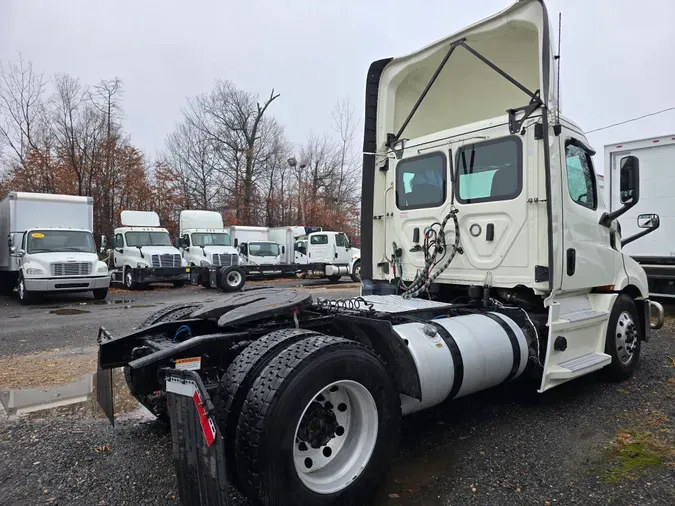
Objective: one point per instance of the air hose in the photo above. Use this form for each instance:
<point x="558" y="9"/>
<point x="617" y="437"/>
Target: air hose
<point x="434" y="245"/>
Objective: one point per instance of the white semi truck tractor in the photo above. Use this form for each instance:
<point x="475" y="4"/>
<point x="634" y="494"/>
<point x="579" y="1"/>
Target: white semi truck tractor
<point x="207" y="248"/>
<point x="49" y="246"/>
<point x="142" y="253"/>
<point x="487" y="256"/>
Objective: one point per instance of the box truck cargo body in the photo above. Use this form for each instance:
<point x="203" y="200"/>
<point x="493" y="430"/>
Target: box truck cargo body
<point x="655" y="252"/>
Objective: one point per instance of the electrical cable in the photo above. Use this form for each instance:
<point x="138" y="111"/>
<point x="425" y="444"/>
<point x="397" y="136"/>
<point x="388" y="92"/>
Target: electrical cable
<point x="631" y="120"/>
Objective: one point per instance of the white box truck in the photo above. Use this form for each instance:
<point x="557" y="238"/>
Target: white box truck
<point x="289" y="238"/>
<point x="49" y="246"/>
<point x="206" y="246"/>
<point x="142" y="253"/>
<point x="257" y="253"/>
<point x="655" y="253"/>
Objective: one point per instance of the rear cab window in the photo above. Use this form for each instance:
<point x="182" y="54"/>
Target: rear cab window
<point x="421" y="181"/>
<point x="489" y="171"/>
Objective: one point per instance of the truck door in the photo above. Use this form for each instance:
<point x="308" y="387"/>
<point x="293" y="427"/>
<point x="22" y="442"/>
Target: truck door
<point x="342" y="250"/>
<point x="320" y="250"/>
<point x="589" y="259"/>
<point x="118" y="250"/>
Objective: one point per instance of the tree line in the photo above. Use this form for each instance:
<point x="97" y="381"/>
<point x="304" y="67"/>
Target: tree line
<point x="227" y="153"/>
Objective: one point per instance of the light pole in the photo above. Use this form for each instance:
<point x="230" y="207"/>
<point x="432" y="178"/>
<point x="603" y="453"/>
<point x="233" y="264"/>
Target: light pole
<point x="293" y="164"/>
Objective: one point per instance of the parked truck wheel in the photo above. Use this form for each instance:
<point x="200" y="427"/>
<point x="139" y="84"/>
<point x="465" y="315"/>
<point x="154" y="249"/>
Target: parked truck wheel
<point x="356" y="272"/>
<point x="156" y="403"/>
<point x="232" y="279"/>
<point x="624" y="339"/>
<point x="100" y="293"/>
<point x="25" y="296"/>
<point x="319" y="426"/>
<point x="239" y="378"/>
<point x="334" y="279"/>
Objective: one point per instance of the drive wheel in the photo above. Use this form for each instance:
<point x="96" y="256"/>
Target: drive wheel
<point x="240" y="376"/>
<point x="320" y="425"/>
<point x="232" y="279"/>
<point x="334" y="279"/>
<point x="624" y="339"/>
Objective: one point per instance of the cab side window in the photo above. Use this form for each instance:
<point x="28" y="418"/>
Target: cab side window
<point x="340" y="240"/>
<point x="580" y="176"/>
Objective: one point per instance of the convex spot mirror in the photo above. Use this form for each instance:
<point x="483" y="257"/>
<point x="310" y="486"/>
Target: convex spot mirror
<point x="648" y="221"/>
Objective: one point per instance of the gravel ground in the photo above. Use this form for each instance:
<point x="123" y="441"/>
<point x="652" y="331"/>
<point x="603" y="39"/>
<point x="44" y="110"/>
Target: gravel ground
<point x="587" y="442"/>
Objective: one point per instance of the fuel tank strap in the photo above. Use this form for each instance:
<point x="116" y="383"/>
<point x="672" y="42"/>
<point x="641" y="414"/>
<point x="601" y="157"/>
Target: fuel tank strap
<point x="514" y="343"/>
<point x="457" y="361"/>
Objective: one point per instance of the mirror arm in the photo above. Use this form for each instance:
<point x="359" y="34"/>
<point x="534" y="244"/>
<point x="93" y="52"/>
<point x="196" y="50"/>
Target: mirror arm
<point x="637" y="236"/>
<point x="607" y="218"/>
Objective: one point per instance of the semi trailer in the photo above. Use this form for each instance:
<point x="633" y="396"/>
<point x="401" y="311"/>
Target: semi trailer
<point x="142" y="253"/>
<point x="49" y="246"/>
<point x="487" y="257"/>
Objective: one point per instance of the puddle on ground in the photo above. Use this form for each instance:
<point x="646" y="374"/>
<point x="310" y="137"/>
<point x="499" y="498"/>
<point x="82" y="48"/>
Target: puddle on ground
<point x="108" y="302"/>
<point x="75" y="398"/>
<point x="68" y="311"/>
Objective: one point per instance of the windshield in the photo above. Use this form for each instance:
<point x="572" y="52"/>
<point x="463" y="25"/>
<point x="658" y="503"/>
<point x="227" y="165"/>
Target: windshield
<point x="58" y="241"/>
<point x="147" y="239"/>
<point x="263" y="249"/>
<point x="205" y="239"/>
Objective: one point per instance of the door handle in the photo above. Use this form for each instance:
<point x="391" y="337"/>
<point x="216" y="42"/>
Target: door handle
<point x="571" y="261"/>
<point x="490" y="232"/>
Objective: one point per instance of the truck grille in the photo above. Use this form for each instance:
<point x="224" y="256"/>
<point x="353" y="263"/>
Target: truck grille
<point x="225" y="259"/>
<point x="165" y="261"/>
<point x="71" y="269"/>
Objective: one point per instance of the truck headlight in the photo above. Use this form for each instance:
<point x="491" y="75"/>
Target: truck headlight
<point x="204" y="263"/>
<point x="103" y="268"/>
<point x="33" y="271"/>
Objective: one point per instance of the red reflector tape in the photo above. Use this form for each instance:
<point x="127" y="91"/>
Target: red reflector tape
<point x="207" y="424"/>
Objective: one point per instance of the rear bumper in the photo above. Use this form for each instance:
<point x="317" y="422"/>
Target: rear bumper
<point x="67" y="284"/>
<point x="161" y="274"/>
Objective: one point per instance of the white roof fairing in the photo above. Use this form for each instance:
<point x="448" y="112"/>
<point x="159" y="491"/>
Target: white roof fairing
<point x="467" y="90"/>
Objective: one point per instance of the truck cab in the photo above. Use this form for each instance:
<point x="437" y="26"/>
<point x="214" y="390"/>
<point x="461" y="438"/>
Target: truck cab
<point x="142" y="253"/>
<point x="260" y="253"/>
<point x="332" y="253"/>
<point x="58" y="260"/>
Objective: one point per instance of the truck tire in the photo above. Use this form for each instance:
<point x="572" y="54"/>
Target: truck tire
<point x="178" y="284"/>
<point x="129" y="282"/>
<point x="334" y="279"/>
<point x="320" y="426"/>
<point x="624" y="339"/>
<point x="100" y="293"/>
<point x="232" y="279"/>
<point x="156" y="403"/>
<point x="25" y="297"/>
<point x="356" y="272"/>
<point x="240" y="376"/>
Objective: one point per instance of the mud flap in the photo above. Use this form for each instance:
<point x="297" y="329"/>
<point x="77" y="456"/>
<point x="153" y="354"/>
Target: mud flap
<point x="198" y="446"/>
<point x="104" y="392"/>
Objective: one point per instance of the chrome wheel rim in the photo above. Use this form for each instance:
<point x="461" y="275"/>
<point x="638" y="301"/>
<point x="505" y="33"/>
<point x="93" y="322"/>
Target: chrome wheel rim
<point x="357" y="271"/>
<point x="335" y="437"/>
<point x="233" y="278"/>
<point x="128" y="279"/>
<point x="22" y="290"/>
<point x="627" y="337"/>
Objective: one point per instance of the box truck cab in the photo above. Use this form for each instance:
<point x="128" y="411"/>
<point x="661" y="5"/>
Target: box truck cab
<point x="255" y="247"/>
<point x="142" y="253"/>
<point x="289" y="237"/>
<point x="49" y="246"/>
<point x="206" y="246"/>
<point x="331" y="253"/>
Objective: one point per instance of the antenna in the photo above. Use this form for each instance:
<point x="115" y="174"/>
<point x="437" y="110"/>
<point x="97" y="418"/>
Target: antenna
<point x="557" y="128"/>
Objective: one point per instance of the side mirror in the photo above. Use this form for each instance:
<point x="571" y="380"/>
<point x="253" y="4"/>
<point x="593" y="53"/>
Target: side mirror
<point x="10" y="241"/>
<point x="12" y="250"/>
<point x="283" y="250"/>
<point x="649" y="222"/>
<point x="183" y="242"/>
<point x="629" y="189"/>
<point x="236" y="242"/>
<point x="629" y="180"/>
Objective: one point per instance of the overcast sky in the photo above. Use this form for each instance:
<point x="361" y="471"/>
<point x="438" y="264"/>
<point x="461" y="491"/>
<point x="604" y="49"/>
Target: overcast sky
<point x="616" y="54"/>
